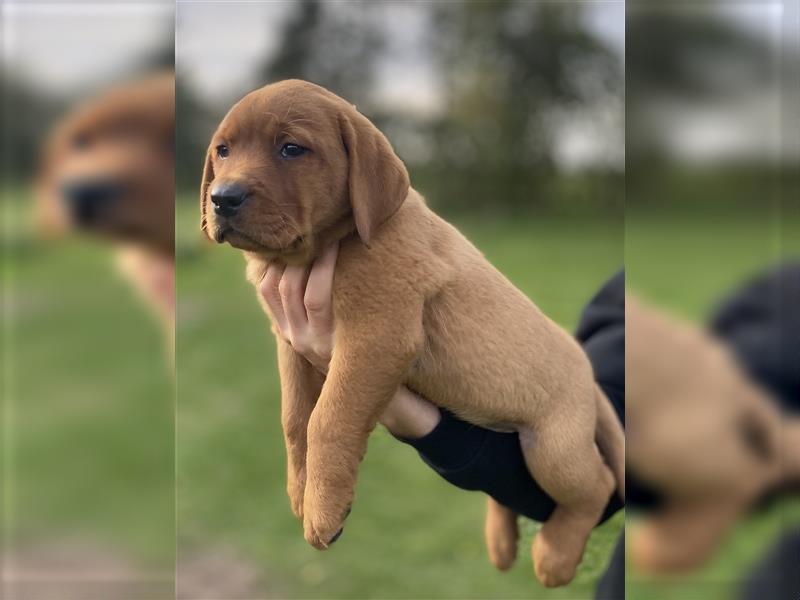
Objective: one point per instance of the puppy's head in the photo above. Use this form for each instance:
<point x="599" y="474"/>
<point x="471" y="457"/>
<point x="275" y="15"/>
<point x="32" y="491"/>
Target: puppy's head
<point x="108" y="167"/>
<point x="290" y="164"/>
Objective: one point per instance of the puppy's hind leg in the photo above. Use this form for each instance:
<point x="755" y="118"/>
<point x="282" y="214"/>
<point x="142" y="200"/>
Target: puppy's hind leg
<point x="502" y="534"/>
<point x="562" y="456"/>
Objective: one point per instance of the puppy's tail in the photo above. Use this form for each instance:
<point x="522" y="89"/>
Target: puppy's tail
<point x="610" y="438"/>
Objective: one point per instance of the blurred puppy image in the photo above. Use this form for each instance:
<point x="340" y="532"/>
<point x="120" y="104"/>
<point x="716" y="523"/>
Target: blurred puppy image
<point x="701" y="433"/>
<point x="293" y="168"/>
<point x="108" y="170"/>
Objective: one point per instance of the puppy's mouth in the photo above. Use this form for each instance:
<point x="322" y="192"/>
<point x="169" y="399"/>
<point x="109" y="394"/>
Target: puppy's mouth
<point x="219" y="234"/>
<point x="242" y="241"/>
<point x="237" y="239"/>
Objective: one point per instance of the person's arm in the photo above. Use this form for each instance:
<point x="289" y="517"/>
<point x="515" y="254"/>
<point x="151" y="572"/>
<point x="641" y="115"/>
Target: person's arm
<point x="465" y="455"/>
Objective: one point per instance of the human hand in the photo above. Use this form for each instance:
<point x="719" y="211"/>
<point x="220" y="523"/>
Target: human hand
<point x="299" y="300"/>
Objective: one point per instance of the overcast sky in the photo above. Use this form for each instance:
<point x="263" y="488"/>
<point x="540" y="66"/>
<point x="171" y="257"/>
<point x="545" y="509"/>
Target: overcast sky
<point x="68" y="46"/>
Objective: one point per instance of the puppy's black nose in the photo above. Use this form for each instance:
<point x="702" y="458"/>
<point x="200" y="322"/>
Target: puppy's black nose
<point x="228" y="198"/>
<point x="87" y="198"/>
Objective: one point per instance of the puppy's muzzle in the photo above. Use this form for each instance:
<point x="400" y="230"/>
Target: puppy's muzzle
<point x="87" y="199"/>
<point x="228" y="198"/>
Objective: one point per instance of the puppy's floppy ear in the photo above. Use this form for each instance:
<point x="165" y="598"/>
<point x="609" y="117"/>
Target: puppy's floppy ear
<point x="377" y="180"/>
<point x="208" y="177"/>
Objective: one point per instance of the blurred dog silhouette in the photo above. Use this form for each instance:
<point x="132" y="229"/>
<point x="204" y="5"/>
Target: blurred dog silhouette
<point x="108" y="169"/>
<point x="702" y="433"/>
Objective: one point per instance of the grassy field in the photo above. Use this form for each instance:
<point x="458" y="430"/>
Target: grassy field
<point x="89" y="425"/>
<point x="87" y="403"/>
<point x="410" y="535"/>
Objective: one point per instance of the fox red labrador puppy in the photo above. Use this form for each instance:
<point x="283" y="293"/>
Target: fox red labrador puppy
<point x="293" y="168"/>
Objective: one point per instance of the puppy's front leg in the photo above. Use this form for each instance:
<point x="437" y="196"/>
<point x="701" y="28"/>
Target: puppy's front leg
<point x="365" y="371"/>
<point x="301" y="385"/>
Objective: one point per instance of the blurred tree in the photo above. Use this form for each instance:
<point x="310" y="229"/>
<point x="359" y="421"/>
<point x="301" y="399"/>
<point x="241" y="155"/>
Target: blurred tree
<point x="683" y="59"/>
<point x="331" y="44"/>
<point x="690" y="53"/>
<point x="159" y="58"/>
<point x="508" y="63"/>
<point x="27" y="115"/>
<point x="508" y="67"/>
<point x="195" y="123"/>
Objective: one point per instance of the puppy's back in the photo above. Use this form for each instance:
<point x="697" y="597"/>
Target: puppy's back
<point x="490" y="355"/>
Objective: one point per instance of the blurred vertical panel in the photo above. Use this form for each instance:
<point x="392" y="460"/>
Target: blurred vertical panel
<point x="712" y="160"/>
<point x="88" y="277"/>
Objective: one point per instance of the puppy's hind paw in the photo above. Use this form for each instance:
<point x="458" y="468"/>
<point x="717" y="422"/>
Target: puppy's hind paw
<point x="502" y="554"/>
<point x="502" y="534"/>
<point x="552" y="568"/>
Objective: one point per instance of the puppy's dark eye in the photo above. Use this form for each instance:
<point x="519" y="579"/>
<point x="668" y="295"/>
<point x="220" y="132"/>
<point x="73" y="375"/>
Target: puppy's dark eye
<point x="223" y="151"/>
<point x="292" y="151"/>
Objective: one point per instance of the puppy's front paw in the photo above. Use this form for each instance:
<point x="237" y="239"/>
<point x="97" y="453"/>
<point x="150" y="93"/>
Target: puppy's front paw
<point x="323" y="528"/>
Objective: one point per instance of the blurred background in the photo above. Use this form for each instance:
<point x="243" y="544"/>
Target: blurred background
<point x="87" y="389"/>
<point x="510" y="117"/>
<point x="712" y="151"/>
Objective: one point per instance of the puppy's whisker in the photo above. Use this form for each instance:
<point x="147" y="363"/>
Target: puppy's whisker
<point x="286" y="223"/>
<point x="292" y="227"/>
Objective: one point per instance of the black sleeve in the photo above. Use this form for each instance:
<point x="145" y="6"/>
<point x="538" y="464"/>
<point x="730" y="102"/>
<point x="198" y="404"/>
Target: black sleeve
<point x="776" y="577"/>
<point x="612" y="583"/>
<point x="474" y="458"/>
<point x="760" y="323"/>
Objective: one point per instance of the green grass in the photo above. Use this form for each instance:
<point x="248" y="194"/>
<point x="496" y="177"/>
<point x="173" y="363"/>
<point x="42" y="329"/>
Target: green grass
<point x="689" y="261"/>
<point x="410" y="535"/>
<point x="87" y="401"/>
